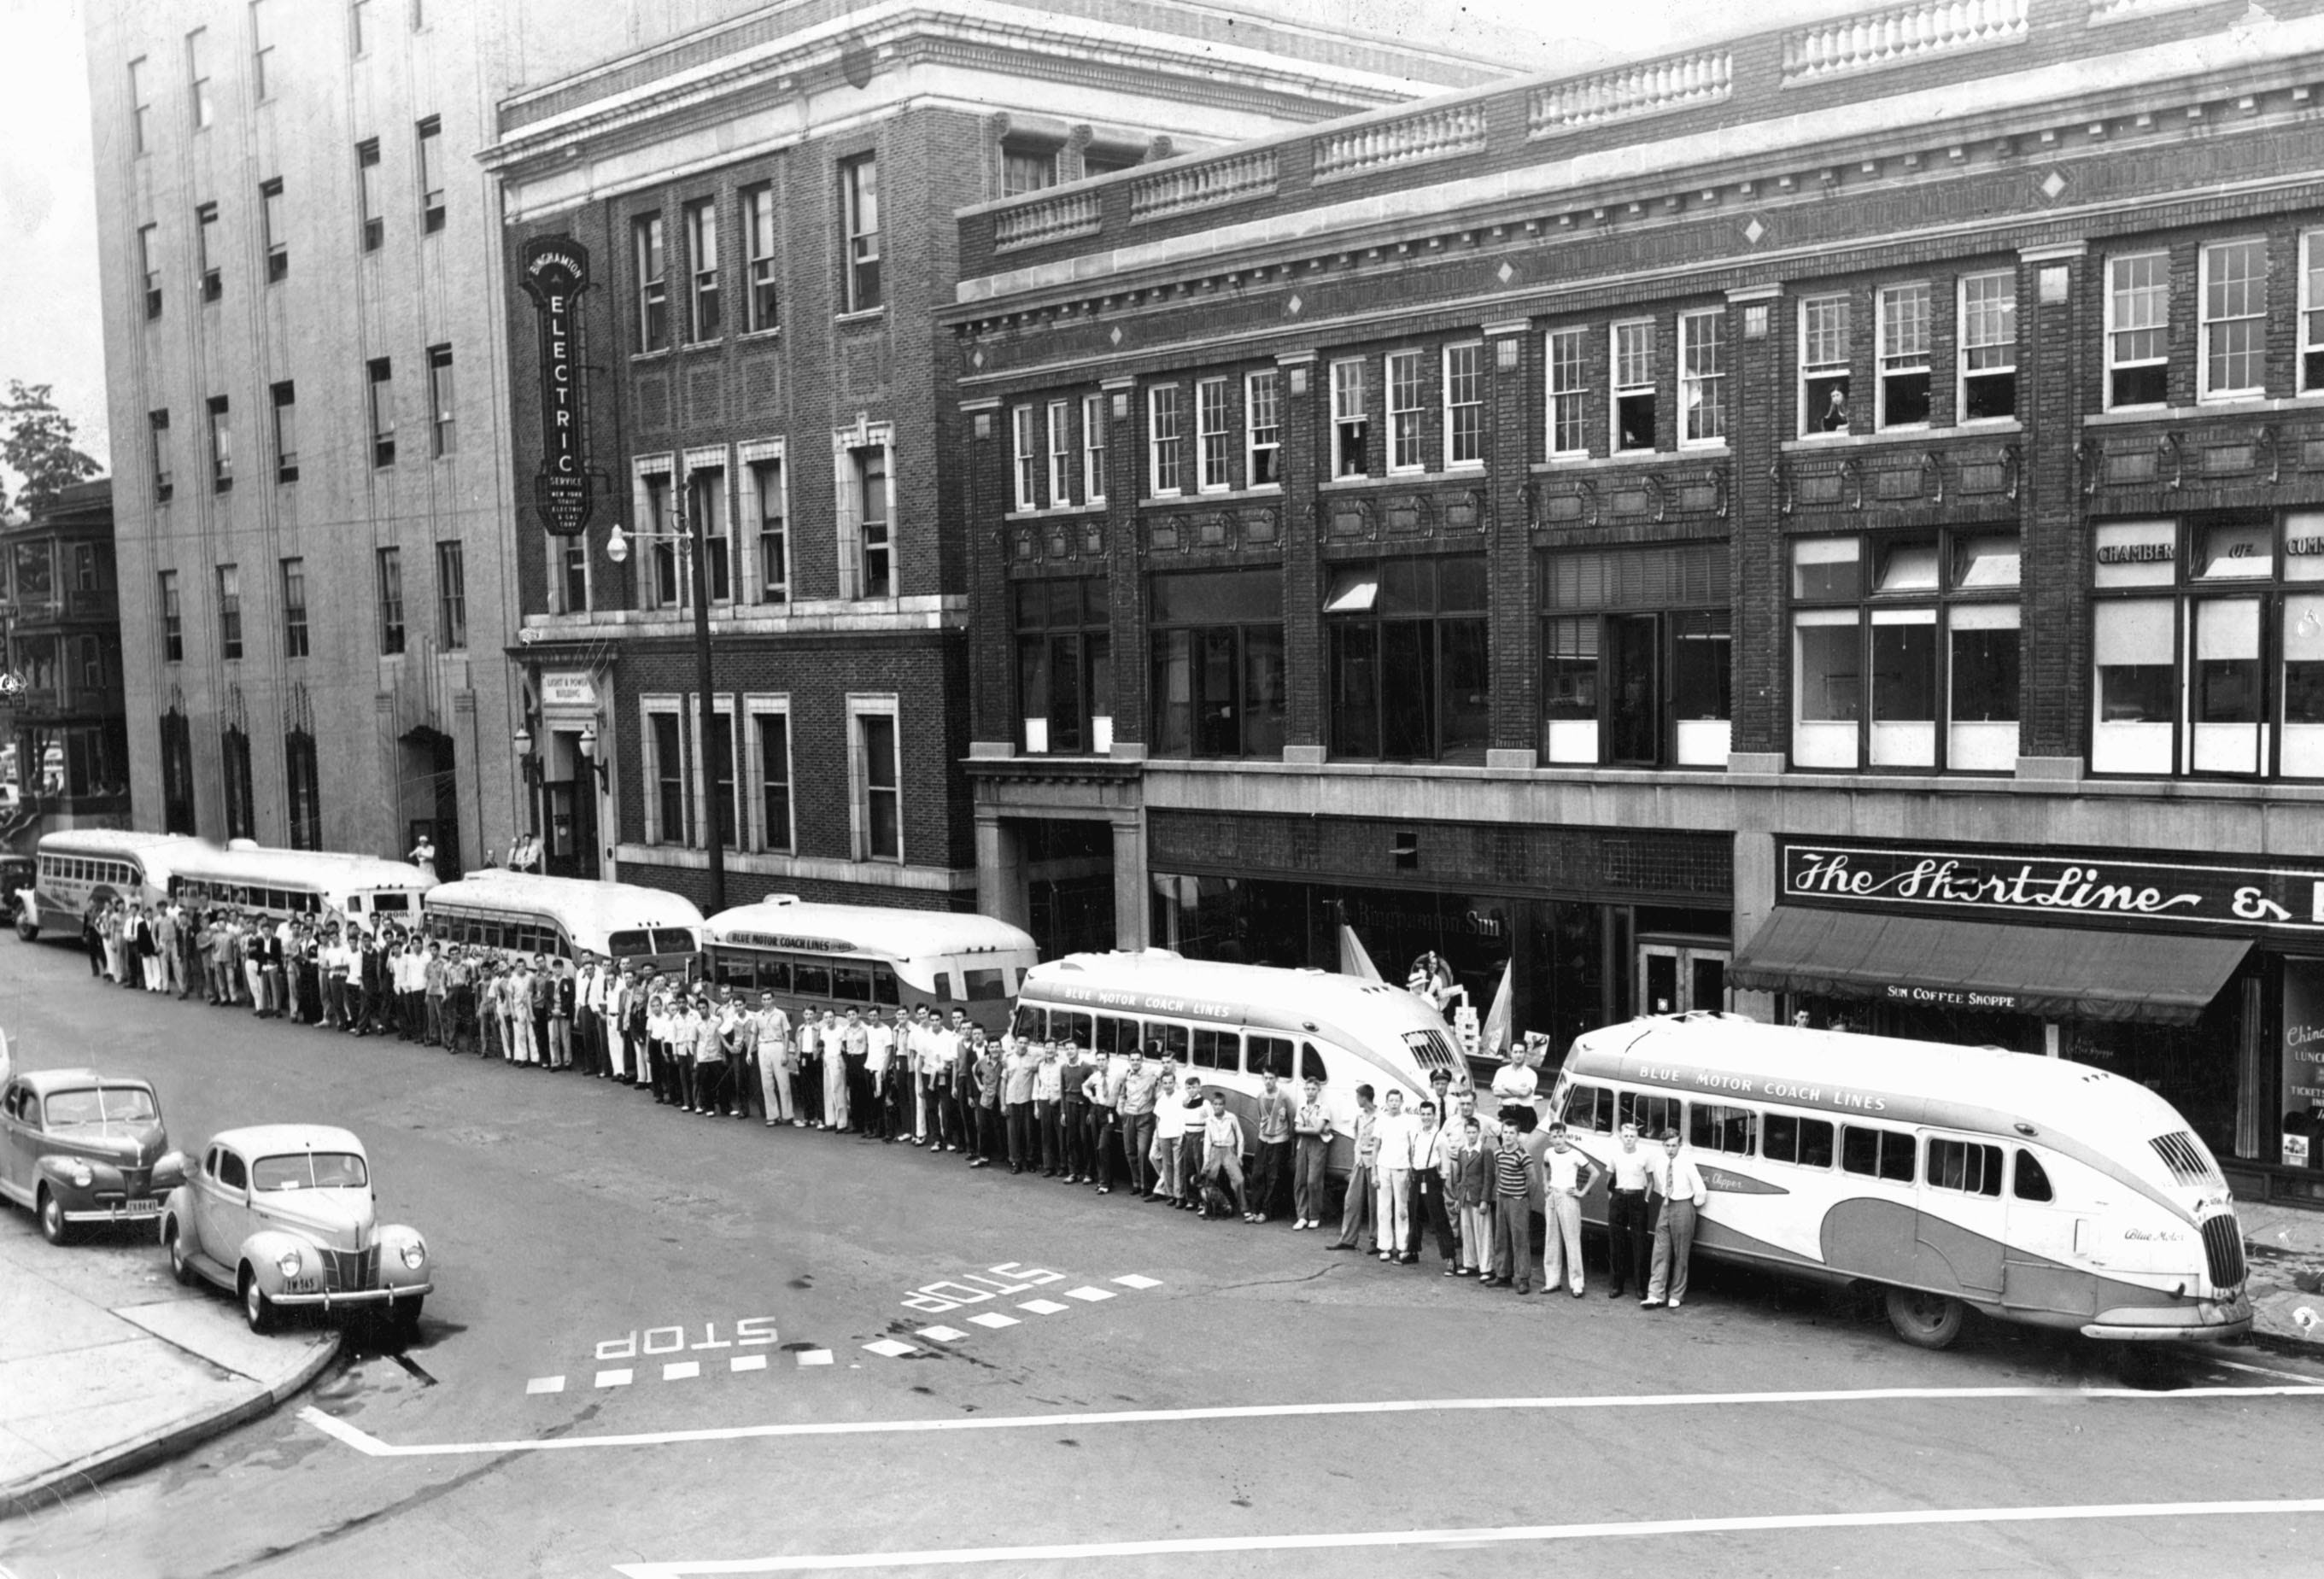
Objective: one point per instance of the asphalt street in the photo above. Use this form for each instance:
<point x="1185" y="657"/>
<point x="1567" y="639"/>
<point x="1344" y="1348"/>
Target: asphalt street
<point x="647" y="1355"/>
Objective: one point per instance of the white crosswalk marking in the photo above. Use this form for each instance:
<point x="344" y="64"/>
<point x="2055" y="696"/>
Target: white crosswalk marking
<point x="681" y="1370"/>
<point x="747" y="1362"/>
<point x="614" y="1377"/>
<point x="1139" y="1280"/>
<point x="545" y="1384"/>
<point x="889" y="1348"/>
<point x="1090" y="1294"/>
<point x="1044" y="1306"/>
<point x="943" y="1335"/>
<point x="815" y="1357"/>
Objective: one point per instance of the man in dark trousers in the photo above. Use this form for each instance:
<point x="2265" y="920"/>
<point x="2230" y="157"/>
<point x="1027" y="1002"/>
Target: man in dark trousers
<point x="1630" y="1220"/>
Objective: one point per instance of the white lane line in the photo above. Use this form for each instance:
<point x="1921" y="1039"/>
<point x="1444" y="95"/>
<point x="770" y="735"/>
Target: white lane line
<point x="621" y="1378"/>
<point x="681" y="1370"/>
<point x="943" y="1335"/>
<point x="747" y="1362"/>
<point x="1139" y="1280"/>
<point x="1044" y="1306"/>
<point x="365" y="1441"/>
<point x="1091" y="1294"/>
<point x="994" y="1319"/>
<point x="545" y="1384"/>
<point x="1502" y="1535"/>
<point x="815" y="1357"/>
<point x="890" y="1349"/>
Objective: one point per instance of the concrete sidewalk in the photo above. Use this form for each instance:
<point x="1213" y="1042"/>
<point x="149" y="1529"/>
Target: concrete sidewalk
<point x="2285" y="1252"/>
<point x="105" y="1365"/>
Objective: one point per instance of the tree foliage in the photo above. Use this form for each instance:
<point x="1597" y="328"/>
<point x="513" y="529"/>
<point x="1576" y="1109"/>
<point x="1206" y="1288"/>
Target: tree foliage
<point x="36" y="443"/>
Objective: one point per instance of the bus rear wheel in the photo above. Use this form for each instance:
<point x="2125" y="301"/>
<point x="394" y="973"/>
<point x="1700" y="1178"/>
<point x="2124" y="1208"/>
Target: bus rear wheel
<point x="1925" y="1321"/>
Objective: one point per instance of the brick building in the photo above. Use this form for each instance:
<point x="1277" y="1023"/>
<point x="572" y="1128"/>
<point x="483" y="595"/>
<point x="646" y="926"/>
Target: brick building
<point x="1823" y="523"/>
<point x="764" y="208"/>
<point x="67" y="730"/>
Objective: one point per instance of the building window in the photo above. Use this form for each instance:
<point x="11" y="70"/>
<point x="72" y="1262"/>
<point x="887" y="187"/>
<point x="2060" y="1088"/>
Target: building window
<point x="157" y="424"/>
<point x="140" y="107"/>
<point x="701" y="222"/>
<point x="261" y="50"/>
<point x="1061" y="454"/>
<point x="294" y="608"/>
<point x="1218" y="681"/>
<point x="221" y="445"/>
<point x="451" y="597"/>
<point x="1263" y="429"/>
<point x="2138" y="330"/>
<point x="773" y="731"/>
<point x="2235" y="319"/>
<point x="1093" y="431"/>
<point x="706" y="502"/>
<point x="380" y="373"/>
<point x="390" y="601"/>
<point x="149" y="265"/>
<point x="653" y="265"/>
<point x="725" y="795"/>
<point x="571" y="568"/>
<point x="759" y="234"/>
<point x="303" y="786"/>
<point x="1407" y="393"/>
<point x="274" y="231"/>
<point x="1569" y="432"/>
<point x="1988" y="346"/>
<point x="197" y="78"/>
<point x="880" y="813"/>
<point x="672" y="804"/>
<point x="1823" y="364"/>
<point x="1026" y="462"/>
<point x="285" y="397"/>
<point x="367" y="194"/>
<point x="1464" y="404"/>
<point x="1636" y="656"/>
<point x="1905" y="651"/>
<point x="1212" y="427"/>
<point x="1410" y="679"/>
<point x="431" y="175"/>
<point x="241" y="809"/>
<point x="1633" y="385"/>
<point x="858" y="188"/>
<point x="443" y="435"/>
<point x="1904" y="353"/>
<point x="229" y="589"/>
<point x="663" y="587"/>
<point x="2311" y="314"/>
<point x="1350" y="421"/>
<point x="1702" y="377"/>
<point x="207" y="257"/>
<point x="173" y="622"/>
<point x="177" y="773"/>
<point x="1027" y="170"/>
<point x="359" y="27"/>
<point x="774" y="541"/>
<point x="1064" y="665"/>
<point x="1164" y="446"/>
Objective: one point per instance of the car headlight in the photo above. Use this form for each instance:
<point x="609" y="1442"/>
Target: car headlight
<point x="415" y="1253"/>
<point x="81" y="1176"/>
<point x="290" y="1263"/>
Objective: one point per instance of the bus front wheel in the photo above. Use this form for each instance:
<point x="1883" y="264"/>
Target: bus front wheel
<point x="1925" y="1321"/>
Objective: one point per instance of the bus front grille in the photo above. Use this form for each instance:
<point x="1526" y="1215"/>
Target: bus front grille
<point x="2223" y="1250"/>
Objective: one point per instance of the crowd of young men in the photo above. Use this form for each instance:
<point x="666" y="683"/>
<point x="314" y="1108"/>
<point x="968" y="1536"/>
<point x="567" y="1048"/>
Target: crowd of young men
<point x="1135" y="1122"/>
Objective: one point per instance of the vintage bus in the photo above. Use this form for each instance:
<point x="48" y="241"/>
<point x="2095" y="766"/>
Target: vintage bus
<point x="79" y="868"/>
<point x="871" y="958"/>
<point x="1230" y="1024"/>
<point x="324" y="885"/>
<point x="1948" y="1178"/>
<point x="568" y="916"/>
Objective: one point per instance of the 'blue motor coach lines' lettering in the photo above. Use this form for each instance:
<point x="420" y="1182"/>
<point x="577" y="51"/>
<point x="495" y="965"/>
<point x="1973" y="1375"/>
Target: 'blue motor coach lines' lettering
<point x="1744" y="1085"/>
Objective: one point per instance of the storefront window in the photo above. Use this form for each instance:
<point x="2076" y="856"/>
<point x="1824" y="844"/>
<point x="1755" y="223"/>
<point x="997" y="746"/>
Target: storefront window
<point x="1410" y="680"/>
<point x="1630" y="673"/>
<point x="1065" y="668"/>
<point x="2303" y="1064"/>
<point x="1218" y="687"/>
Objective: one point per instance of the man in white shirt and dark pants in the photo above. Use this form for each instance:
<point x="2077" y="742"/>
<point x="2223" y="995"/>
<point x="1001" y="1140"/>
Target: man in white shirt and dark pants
<point x="1566" y="1176"/>
<point x="1680" y="1183"/>
<point x="1629" y="1218"/>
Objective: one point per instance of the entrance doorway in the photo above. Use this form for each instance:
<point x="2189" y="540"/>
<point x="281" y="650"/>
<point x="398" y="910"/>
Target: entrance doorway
<point x="1678" y="976"/>
<point x="569" y="841"/>
<point x="432" y="790"/>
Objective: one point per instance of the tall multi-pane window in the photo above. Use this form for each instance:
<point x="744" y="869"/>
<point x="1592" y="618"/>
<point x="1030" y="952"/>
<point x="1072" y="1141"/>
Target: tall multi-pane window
<point x="1988" y="346"/>
<point x="758" y="237"/>
<point x="273" y="230"/>
<point x="1025" y="462"/>
<point x="430" y="138"/>
<point x="368" y="194"/>
<point x="2138" y="330"/>
<point x="1262" y="405"/>
<point x="873" y="520"/>
<point x="1061" y="454"/>
<point x="774" y="733"/>
<point x="240" y="803"/>
<point x="390" y="601"/>
<point x="651" y="261"/>
<point x="1824" y="364"/>
<point x="2235" y="318"/>
<point x="229" y="596"/>
<point x="701" y="220"/>
<point x="443" y="430"/>
<point x="1633" y="350"/>
<point x="1635" y="656"/>
<point x="570" y="564"/>
<point x="140" y="107"/>
<point x="706" y="502"/>
<point x="663" y="587"/>
<point x="285" y="397"/>
<point x="1065" y="664"/>
<point x="673" y="805"/>
<point x="1904" y="353"/>
<point x="209" y="251"/>
<point x="302" y="784"/>
<point x="774" y="540"/>
<point x="1408" y="391"/>
<point x="2311" y="313"/>
<point x="1569" y="430"/>
<point x="1350" y="420"/>
<point x="1218" y="679"/>
<point x="173" y="620"/>
<point x="1464" y="404"/>
<point x="221" y="445"/>
<point x="380" y="374"/>
<point x="879" y="780"/>
<point x="294" y="608"/>
<point x="261" y="50"/>
<point x="859" y="197"/>
<point x="157" y="426"/>
<point x="1166" y="447"/>
<point x="725" y="799"/>
<point x="197" y="78"/>
<point x="1702" y="377"/>
<point x="451" y="597"/>
<point x="177" y="773"/>
<point x="1407" y="676"/>
<point x="1093" y="420"/>
<point x="149" y="265"/>
<point x="1212" y="428"/>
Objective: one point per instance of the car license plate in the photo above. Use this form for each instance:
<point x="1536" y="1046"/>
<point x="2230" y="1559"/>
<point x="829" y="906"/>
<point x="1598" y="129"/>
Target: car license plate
<point x="141" y="1204"/>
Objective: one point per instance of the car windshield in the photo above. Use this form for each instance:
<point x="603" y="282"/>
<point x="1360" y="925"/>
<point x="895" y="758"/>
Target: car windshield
<point x="310" y="1170"/>
<point x="90" y="1105"/>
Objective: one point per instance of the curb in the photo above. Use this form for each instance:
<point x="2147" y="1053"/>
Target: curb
<point x="166" y="1441"/>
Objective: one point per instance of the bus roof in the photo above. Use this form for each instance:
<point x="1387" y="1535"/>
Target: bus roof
<point x="874" y="930"/>
<point x="297" y="868"/>
<point x="595" y="906"/>
<point x="108" y="842"/>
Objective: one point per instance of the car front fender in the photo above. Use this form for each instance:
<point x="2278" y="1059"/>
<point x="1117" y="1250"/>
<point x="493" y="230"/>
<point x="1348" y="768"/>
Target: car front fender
<point x="59" y="1174"/>
<point x="180" y="1209"/>
<point x="392" y="1272"/>
<point x="262" y="1249"/>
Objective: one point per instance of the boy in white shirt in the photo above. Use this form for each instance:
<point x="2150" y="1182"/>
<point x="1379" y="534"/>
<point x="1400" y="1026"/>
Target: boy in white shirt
<point x="1392" y="1202"/>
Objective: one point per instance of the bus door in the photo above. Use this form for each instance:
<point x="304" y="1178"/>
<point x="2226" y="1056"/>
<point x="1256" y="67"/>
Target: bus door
<point x="2039" y="1255"/>
<point x="1962" y="1221"/>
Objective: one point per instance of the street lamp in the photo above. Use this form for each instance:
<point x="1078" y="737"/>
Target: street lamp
<point x="588" y="744"/>
<point x="688" y="539"/>
<point x="529" y="766"/>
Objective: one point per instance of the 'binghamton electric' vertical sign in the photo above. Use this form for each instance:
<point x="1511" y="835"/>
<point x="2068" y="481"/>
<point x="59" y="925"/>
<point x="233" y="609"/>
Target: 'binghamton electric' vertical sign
<point x="554" y="273"/>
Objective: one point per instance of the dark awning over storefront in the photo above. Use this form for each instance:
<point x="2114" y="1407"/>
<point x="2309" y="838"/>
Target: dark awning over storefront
<point x="2058" y="973"/>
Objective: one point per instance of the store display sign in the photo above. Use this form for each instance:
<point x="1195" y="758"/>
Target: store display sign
<point x="555" y="272"/>
<point x="2303" y="1036"/>
<point x="2170" y="896"/>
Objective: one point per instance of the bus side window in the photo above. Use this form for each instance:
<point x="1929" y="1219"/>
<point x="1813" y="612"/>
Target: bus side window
<point x="1214" y="1049"/>
<point x="1111" y="1032"/>
<point x="774" y="976"/>
<point x="1269" y="1054"/>
<point x="1804" y="1141"/>
<point x="1878" y="1153"/>
<point x="884" y="990"/>
<point x="813" y="979"/>
<point x="1713" y="1128"/>
<point x="1173" y="1039"/>
<point x="1074" y="1029"/>
<point x="943" y="980"/>
<point x="1652" y="1114"/>
<point x="1029" y="1023"/>
<point x="1311" y="1063"/>
<point x="851" y="983"/>
<point x="1965" y="1165"/>
<point x="735" y="971"/>
<point x="1589" y="1108"/>
<point x="2032" y="1181"/>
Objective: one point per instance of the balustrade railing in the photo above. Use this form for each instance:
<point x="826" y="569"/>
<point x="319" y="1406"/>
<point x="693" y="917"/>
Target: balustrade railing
<point x="1454" y="129"/>
<point x="1907" y="33"/>
<point x="1651" y="87"/>
<point x="1203" y="184"/>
